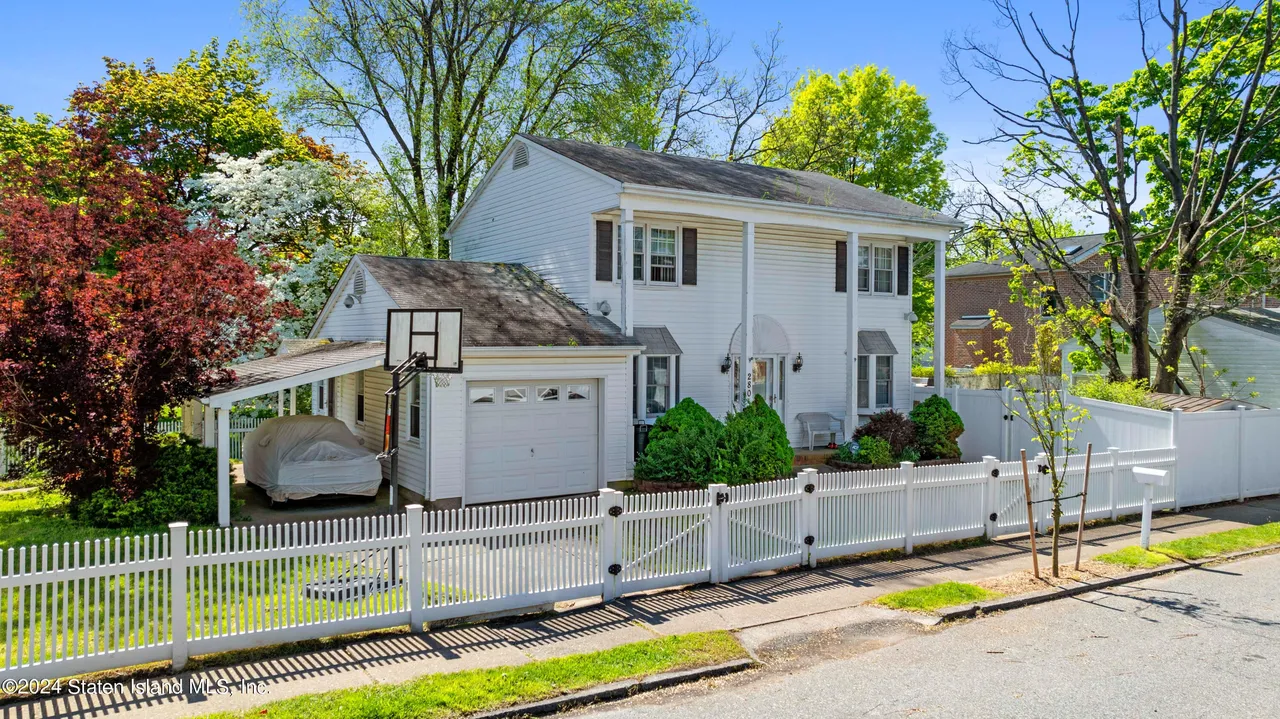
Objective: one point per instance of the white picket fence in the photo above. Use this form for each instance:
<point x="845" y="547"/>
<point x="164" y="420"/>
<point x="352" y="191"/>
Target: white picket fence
<point x="102" y="604"/>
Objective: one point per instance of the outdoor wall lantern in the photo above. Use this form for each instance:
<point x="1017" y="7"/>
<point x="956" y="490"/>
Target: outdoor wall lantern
<point x="798" y="363"/>
<point x="726" y="364"/>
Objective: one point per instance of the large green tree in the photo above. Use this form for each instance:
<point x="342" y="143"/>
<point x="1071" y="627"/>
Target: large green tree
<point x="865" y="127"/>
<point x="432" y="89"/>
<point x="1180" y="160"/>
<point x="212" y="102"/>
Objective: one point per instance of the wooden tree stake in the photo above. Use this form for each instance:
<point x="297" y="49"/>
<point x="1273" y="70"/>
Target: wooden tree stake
<point x="1084" y="496"/>
<point x="1031" y="522"/>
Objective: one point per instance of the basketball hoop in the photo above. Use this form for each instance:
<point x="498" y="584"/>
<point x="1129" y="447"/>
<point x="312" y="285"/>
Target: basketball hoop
<point x="426" y="340"/>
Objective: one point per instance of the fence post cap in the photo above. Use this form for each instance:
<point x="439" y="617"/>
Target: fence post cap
<point x="906" y="465"/>
<point x="609" y="492"/>
<point x="177" y="525"/>
<point x="989" y="458"/>
<point x="415" y="507"/>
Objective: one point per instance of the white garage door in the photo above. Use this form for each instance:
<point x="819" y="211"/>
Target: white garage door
<point x="531" y="439"/>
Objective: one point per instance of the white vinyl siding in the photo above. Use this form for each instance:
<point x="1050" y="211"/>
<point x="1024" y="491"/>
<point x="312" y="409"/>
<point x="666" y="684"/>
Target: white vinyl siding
<point x="412" y="454"/>
<point x="794" y="284"/>
<point x="539" y="215"/>
<point x="365" y="320"/>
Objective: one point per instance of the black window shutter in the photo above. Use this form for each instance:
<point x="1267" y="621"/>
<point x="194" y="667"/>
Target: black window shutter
<point x="842" y="266"/>
<point x="604" y="250"/>
<point x="904" y="270"/>
<point x="676" y="398"/>
<point x="689" y="262"/>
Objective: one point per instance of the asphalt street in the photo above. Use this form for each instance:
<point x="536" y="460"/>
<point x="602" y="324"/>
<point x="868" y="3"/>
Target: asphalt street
<point x="1201" y="643"/>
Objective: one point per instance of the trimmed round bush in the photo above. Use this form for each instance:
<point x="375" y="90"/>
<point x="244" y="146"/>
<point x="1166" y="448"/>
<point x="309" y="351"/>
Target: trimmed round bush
<point x="682" y="446"/>
<point x="891" y="426"/>
<point x="754" y="446"/>
<point x="185" y="490"/>
<point x="874" y="451"/>
<point x="937" y="429"/>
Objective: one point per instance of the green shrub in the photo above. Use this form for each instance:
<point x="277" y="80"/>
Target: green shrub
<point x="873" y="450"/>
<point x="682" y="446"/>
<point x="891" y="426"/>
<point x="910" y="454"/>
<point x="1134" y="392"/>
<point x="185" y="490"/>
<point x="844" y="453"/>
<point x="754" y="446"/>
<point x="937" y="429"/>
<point x="925" y="371"/>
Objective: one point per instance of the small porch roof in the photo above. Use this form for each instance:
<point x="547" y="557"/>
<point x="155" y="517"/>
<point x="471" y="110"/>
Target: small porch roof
<point x="299" y="367"/>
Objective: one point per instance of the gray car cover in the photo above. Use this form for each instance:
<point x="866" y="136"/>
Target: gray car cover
<point x="305" y="456"/>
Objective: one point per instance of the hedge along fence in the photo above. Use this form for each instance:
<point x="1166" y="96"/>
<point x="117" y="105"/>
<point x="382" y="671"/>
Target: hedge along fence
<point x="103" y="604"/>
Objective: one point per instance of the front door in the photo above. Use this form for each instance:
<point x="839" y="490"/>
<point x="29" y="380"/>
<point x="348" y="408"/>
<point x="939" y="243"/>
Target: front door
<point x="763" y="379"/>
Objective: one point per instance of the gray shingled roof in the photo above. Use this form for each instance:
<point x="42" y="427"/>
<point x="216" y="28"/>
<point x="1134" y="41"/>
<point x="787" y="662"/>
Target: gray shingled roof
<point x="297" y="362"/>
<point x="875" y="342"/>
<point x="1089" y="244"/>
<point x="1258" y="319"/>
<point x="503" y="305"/>
<point x="736" y="179"/>
<point x="657" y="341"/>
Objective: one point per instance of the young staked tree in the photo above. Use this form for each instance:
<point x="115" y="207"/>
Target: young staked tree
<point x="1180" y="161"/>
<point x="111" y="308"/>
<point x="1039" y="398"/>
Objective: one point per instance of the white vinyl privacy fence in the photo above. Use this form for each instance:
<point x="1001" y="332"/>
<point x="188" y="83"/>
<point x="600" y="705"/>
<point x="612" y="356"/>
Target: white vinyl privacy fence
<point x="101" y="604"/>
<point x="1232" y="454"/>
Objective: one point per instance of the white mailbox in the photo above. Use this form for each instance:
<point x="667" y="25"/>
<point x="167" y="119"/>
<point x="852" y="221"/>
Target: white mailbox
<point x="1151" y="477"/>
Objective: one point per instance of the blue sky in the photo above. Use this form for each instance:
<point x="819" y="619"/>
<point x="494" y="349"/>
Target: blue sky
<point x="46" y="49"/>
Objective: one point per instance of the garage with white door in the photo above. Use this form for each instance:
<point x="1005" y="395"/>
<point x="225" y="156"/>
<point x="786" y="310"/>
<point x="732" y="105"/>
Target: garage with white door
<point x="529" y="439"/>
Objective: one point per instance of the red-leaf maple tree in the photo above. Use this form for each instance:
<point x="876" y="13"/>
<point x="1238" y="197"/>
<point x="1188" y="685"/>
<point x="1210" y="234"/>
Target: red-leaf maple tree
<point x="111" y="308"/>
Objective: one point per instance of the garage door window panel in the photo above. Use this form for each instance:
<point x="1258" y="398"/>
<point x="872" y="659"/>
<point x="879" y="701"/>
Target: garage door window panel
<point x="482" y="395"/>
<point x="515" y="394"/>
<point x="549" y="394"/>
<point x="579" y="392"/>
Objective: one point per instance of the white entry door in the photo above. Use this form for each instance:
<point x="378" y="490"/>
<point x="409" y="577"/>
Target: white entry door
<point x="531" y="439"/>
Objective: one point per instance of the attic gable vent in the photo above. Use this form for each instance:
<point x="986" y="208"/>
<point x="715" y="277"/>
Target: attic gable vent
<point x="520" y="158"/>
<point x="357" y="283"/>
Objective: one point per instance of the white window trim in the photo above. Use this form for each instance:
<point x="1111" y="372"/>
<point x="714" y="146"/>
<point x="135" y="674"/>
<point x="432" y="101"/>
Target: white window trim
<point x="872" y="407"/>
<point x="415" y="387"/>
<point x="358" y="394"/>
<point x="628" y="264"/>
<point x="893" y="269"/>
<point x="671" y="384"/>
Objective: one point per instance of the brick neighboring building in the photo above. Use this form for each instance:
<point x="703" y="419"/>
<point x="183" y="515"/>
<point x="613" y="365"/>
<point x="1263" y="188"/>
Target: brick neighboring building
<point x="976" y="288"/>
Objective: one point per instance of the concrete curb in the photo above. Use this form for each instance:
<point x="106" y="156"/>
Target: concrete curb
<point x="968" y="611"/>
<point x="617" y="690"/>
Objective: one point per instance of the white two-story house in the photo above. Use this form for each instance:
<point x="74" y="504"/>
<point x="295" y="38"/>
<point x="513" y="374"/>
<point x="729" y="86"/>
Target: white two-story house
<point x="601" y="285"/>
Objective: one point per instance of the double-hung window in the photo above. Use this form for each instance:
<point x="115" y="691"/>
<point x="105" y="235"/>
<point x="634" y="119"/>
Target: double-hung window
<point x="360" y="397"/>
<point x="864" y="268"/>
<point x="875" y="382"/>
<point x="882" y="277"/>
<point x="415" y="408"/>
<point x="1100" y="287"/>
<point x="658" y="384"/>
<point x="654" y="253"/>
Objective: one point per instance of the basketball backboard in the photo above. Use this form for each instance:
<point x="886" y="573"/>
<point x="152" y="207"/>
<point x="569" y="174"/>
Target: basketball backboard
<point x="432" y="337"/>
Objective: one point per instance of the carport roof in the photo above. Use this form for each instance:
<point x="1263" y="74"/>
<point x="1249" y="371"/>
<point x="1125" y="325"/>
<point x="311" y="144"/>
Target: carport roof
<point x="290" y="369"/>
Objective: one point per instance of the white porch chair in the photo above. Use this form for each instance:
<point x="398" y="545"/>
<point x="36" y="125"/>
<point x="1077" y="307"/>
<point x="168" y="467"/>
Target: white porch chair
<point x="815" y="423"/>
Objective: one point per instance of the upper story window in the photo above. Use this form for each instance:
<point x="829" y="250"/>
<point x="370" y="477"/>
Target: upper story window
<point x="654" y="254"/>
<point x="882" y="280"/>
<point x="864" y="268"/>
<point x="1101" y="286"/>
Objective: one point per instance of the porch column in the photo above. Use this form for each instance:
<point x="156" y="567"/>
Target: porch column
<point x="939" y="316"/>
<point x="224" y="466"/>
<point x="280" y="403"/>
<point x="851" y="333"/>
<point x="209" y="426"/>
<point x="748" y="309"/>
<point x="293" y="401"/>
<point x="628" y="279"/>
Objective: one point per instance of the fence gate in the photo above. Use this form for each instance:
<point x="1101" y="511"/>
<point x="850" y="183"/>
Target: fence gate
<point x="664" y="539"/>
<point x="764" y="527"/>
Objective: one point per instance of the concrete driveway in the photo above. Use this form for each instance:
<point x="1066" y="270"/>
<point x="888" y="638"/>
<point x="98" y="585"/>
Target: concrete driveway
<point x="1202" y="643"/>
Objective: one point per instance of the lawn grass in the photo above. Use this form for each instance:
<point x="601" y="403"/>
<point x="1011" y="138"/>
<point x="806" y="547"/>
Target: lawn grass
<point x="443" y="695"/>
<point x="1134" y="558"/>
<point x="1218" y="543"/>
<point x="937" y="596"/>
<point x="40" y="517"/>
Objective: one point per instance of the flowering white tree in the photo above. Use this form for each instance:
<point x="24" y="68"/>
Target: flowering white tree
<point x="297" y="220"/>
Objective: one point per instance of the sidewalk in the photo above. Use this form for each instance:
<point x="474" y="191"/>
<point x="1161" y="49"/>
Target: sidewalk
<point x="590" y="626"/>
